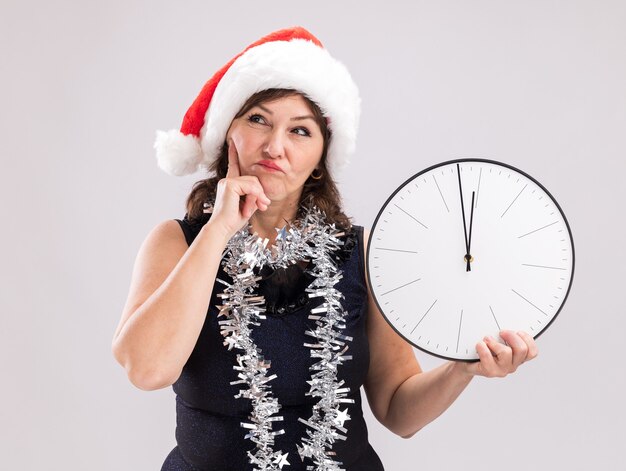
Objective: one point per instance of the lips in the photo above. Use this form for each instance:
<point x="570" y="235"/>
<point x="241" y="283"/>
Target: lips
<point x="269" y="164"/>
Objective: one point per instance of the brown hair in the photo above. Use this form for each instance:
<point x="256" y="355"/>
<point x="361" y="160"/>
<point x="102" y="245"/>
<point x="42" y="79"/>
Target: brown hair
<point x="322" y="193"/>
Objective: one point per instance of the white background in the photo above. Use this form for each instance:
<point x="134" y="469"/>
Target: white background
<point x="84" y="85"/>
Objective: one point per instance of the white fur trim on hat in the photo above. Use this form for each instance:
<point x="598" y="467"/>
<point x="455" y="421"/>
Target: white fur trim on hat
<point x="173" y="144"/>
<point x="297" y="64"/>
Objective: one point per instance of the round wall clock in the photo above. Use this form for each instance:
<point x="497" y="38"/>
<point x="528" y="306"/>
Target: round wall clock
<point x="467" y="248"/>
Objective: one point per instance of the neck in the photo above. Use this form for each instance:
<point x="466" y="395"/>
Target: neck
<point x="277" y="215"/>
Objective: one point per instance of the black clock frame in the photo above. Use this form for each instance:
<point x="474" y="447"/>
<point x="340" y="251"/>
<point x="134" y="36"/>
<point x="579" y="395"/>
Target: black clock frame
<point x="441" y="164"/>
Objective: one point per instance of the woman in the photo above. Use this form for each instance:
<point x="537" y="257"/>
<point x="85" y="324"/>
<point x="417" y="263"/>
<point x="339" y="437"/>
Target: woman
<point x="267" y="375"/>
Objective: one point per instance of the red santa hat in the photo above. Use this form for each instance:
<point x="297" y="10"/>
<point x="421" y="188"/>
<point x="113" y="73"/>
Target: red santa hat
<point x="290" y="58"/>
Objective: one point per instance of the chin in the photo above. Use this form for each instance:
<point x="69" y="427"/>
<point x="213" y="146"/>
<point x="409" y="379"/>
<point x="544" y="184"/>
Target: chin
<point x="272" y="190"/>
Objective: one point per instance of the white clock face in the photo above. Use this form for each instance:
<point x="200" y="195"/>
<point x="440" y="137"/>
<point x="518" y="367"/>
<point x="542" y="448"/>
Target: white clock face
<point x="521" y="248"/>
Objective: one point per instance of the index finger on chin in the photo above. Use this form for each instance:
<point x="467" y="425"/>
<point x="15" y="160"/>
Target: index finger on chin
<point x="233" y="160"/>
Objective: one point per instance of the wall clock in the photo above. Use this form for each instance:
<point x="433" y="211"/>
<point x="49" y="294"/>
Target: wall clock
<point x="467" y="248"/>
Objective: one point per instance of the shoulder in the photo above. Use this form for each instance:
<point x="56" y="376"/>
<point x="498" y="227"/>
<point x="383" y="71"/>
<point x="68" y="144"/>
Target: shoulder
<point x="166" y="236"/>
<point x="192" y="226"/>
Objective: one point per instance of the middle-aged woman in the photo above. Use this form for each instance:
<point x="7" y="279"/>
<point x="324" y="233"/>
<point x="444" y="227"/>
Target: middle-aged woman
<point x="255" y="306"/>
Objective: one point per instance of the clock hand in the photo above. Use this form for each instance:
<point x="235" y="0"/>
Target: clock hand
<point x="468" y="256"/>
<point x="458" y="172"/>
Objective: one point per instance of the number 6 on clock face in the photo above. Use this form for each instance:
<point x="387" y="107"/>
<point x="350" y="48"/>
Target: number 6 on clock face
<point x="467" y="248"/>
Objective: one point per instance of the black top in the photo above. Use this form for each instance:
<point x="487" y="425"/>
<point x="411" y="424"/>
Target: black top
<point x="208" y="417"/>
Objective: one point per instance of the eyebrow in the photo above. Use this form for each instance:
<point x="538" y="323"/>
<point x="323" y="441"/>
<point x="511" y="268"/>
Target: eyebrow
<point x="297" y="118"/>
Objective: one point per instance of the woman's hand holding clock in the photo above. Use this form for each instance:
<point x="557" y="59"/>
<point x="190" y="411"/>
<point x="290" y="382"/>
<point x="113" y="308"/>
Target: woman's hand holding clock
<point x="497" y="360"/>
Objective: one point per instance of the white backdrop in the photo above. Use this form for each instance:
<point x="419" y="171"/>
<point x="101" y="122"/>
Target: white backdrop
<point x="84" y="85"/>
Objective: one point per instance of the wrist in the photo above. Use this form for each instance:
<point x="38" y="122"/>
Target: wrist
<point x="461" y="369"/>
<point x="216" y="233"/>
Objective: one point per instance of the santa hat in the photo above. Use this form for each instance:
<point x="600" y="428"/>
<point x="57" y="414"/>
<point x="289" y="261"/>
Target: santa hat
<point x="290" y="58"/>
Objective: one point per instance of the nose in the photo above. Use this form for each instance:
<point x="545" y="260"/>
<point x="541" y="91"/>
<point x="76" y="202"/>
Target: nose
<point x="275" y="146"/>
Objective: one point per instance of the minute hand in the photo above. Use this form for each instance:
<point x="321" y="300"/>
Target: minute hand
<point x="467" y="257"/>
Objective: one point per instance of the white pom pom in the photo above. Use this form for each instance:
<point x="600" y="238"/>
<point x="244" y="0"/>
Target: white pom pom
<point x="178" y="154"/>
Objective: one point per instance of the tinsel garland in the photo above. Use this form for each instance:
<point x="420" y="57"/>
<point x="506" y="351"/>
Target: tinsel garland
<point x="310" y="238"/>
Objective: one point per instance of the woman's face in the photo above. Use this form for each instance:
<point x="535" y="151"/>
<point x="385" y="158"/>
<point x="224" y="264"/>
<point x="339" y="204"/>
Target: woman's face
<point x="282" y="134"/>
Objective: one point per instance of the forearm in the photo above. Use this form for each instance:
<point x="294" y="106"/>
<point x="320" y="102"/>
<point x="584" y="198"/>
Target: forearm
<point x="424" y="397"/>
<point x="160" y="335"/>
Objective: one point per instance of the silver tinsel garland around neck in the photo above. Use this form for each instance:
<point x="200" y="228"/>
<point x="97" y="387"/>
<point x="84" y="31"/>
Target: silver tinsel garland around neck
<point x="310" y="238"/>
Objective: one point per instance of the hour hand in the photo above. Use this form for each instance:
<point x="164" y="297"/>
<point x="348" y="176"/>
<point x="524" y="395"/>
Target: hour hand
<point x="468" y="256"/>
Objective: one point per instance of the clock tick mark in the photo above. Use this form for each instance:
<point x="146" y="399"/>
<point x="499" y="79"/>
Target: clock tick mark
<point x="422" y="318"/>
<point x="494" y="318"/>
<point x="402" y="286"/>
<point x="442" y="198"/>
<point x="513" y="201"/>
<point x="411" y="216"/>
<point x="395" y="250"/>
<point x="459" y="335"/>
<point x="542" y="266"/>
<point x="478" y="190"/>
<point x="539" y="309"/>
<point x="531" y="232"/>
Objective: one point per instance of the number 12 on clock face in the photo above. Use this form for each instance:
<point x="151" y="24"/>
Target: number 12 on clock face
<point x="467" y="248"/>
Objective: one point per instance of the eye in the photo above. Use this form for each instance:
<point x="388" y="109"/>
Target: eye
<point x="256" y="118"/>
<point x="302" y="131"/>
